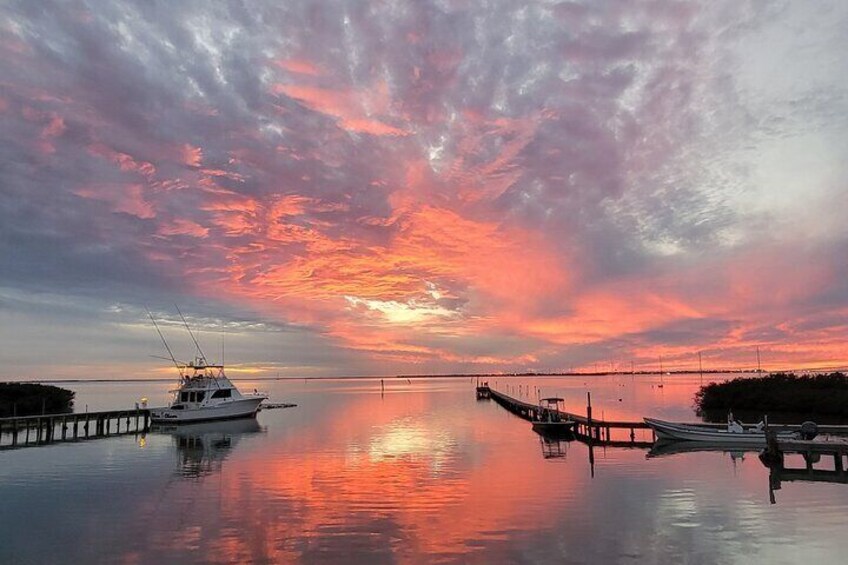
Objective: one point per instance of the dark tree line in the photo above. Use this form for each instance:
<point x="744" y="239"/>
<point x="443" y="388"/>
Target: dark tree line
<point x="28" y="399"/>
<point x="779" y="392"/>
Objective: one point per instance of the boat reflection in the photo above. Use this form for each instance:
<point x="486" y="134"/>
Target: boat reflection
<point x="666" y="447"/>
<point x="202" y="448"/>
<point x="554" y="447"/>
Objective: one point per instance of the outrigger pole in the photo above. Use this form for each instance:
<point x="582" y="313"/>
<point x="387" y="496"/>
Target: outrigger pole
<point x="202" y="355"/>
<point x="165" y="343"/>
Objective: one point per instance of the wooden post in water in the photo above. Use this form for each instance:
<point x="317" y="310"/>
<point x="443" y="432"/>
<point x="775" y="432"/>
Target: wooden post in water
<point x="589" y="413"/>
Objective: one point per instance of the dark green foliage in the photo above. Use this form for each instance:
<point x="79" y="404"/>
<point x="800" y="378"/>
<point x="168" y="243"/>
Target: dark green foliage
<point x="26" y="399"/>
<point x="778" y="392"/>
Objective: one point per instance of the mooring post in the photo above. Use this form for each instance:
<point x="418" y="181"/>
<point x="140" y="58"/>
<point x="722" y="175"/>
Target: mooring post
<point x="589" y="412"/>
<point x="772" y="455"/>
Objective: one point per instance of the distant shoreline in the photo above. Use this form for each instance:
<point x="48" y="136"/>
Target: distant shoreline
<point x="436" y="376"/>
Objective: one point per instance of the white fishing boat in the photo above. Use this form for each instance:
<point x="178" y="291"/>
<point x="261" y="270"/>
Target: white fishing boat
<point x="204" y="393"/>
<point x="734" y="434"/>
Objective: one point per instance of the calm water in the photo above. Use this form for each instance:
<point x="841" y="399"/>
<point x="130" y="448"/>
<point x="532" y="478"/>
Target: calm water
<point x="422" y="473"/>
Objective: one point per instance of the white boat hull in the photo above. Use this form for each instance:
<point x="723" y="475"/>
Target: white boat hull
<point x="688" y="432"/>
<point x="236" y="408"/>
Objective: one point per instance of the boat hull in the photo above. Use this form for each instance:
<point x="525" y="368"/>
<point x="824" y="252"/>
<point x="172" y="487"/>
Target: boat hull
<point x="688" y="432"/>
<point x="554" y="429"/>
<point x="240" y="408"/>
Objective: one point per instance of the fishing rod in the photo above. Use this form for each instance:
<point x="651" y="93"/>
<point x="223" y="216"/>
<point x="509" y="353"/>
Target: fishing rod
<point x="165" y="343"/>
<point x="202" y="355"/>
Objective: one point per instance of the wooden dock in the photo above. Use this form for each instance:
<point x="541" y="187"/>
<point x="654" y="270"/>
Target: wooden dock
<point x="813" y="452"/>
<point x="587" y="429"/>
<point x="23" y="431"/>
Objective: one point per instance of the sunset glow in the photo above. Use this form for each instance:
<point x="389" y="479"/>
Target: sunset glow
<point x="348" y="189"/>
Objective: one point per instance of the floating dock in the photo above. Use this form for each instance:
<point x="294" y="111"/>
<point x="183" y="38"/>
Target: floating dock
<point x="23" y="431"/>
<point x="587" y="428"/>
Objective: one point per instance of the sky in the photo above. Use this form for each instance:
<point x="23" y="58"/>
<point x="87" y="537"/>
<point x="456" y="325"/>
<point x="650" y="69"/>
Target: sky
<point x="377" y="188"/>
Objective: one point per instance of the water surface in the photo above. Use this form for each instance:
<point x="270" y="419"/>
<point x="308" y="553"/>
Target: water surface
<point x="422" y="472"/>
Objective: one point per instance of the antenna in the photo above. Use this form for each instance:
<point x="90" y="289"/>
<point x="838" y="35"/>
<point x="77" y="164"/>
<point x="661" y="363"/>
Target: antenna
<point x="202" y="356"/>
<point x="165" y="343"/>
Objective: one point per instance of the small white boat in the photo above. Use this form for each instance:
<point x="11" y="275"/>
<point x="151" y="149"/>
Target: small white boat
<point x="550" y="421"/>
<point x="205" y="394"/>
<point x="734" y="434"/>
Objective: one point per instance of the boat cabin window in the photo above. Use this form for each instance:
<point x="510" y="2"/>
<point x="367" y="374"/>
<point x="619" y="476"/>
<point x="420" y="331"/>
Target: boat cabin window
<point x="222" y="393"/>
<point x="183" y="397"/>
<point x="201" y="396"/>
<point x="177" y="407"/>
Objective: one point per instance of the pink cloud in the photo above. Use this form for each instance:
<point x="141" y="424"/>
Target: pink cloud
<point x="128" y="199"/>
<point x="191" y="156"/>
<point x="125" y="162"/>
<point x="180" y="226"/>
<point x="346" y="106"/>
<point x="299" y="66"/>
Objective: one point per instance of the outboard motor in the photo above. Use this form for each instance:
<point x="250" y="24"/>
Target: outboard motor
<point x="809" y="430"/>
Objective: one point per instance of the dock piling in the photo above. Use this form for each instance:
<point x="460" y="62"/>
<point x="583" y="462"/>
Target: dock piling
<point x="44" y="430"/>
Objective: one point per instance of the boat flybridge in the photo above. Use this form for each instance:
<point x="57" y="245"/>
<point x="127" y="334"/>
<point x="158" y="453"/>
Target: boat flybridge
<point x="205" y="393"/>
